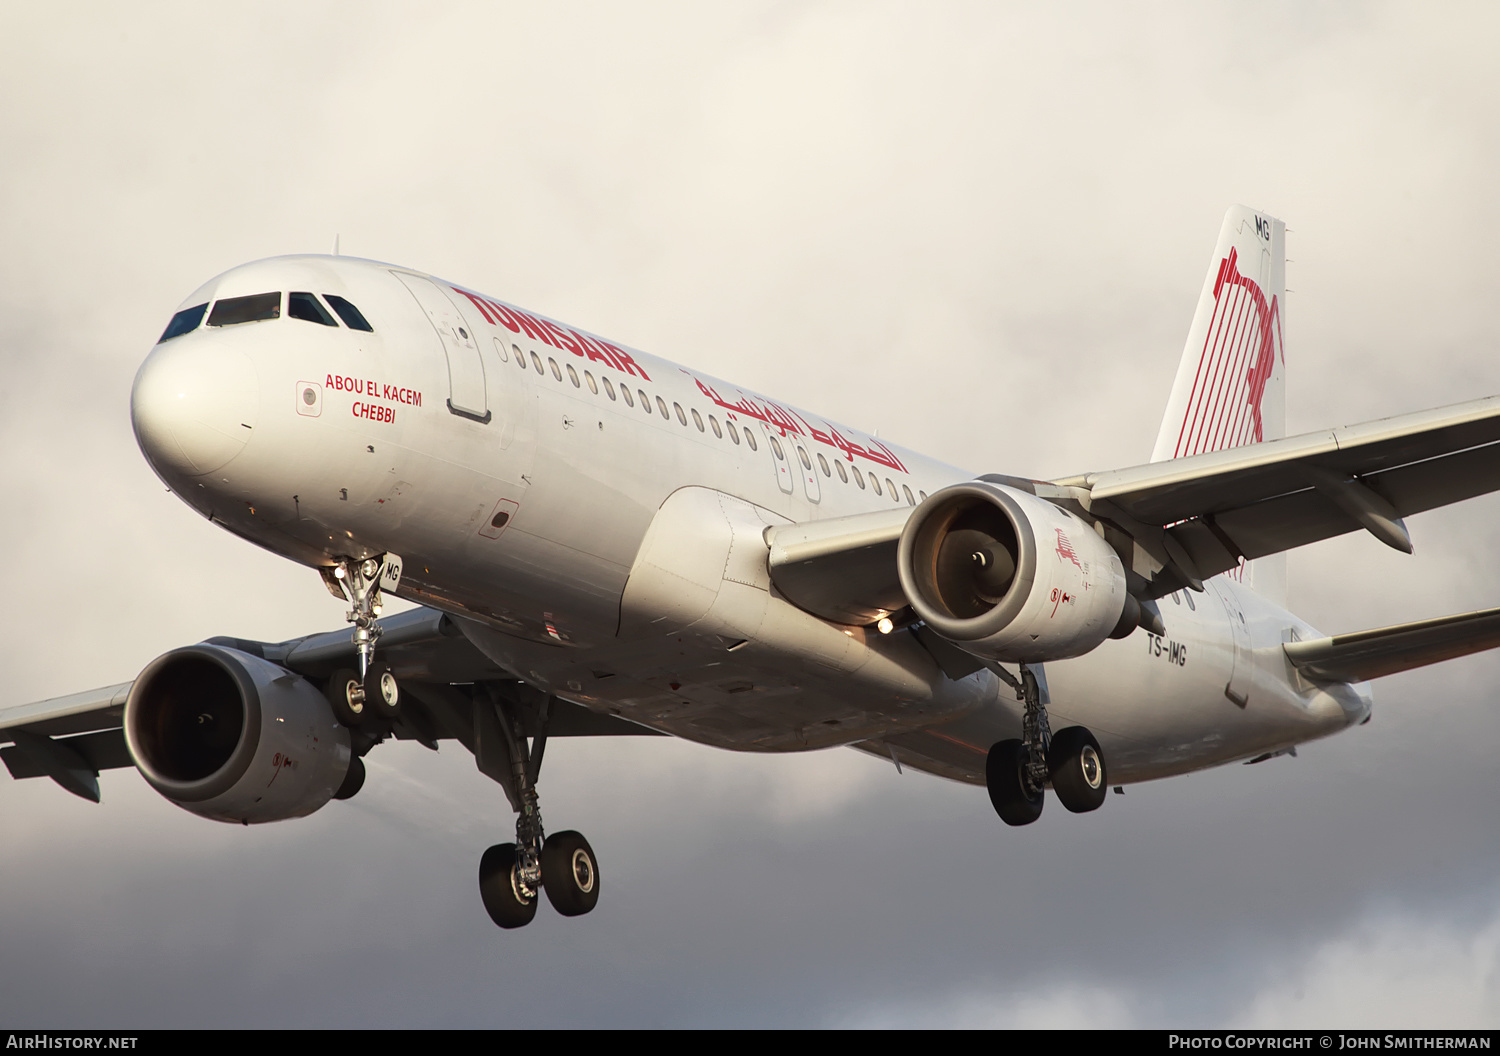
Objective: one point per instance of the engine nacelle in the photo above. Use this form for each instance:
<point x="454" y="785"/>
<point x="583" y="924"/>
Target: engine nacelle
<point x="233" y="737"/>
<point x="1008" y="576"/>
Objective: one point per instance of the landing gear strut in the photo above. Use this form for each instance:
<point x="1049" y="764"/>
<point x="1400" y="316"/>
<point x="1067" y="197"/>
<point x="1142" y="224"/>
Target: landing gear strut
<point x="372" y="691"/>
<point x="512" y="875"/>
<point x="1018" y="771"/>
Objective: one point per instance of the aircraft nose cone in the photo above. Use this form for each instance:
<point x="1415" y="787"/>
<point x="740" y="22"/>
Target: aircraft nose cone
<point x="193" y="406"/>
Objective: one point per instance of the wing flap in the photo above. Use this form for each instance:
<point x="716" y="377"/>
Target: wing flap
<point x="1364" y="655"/>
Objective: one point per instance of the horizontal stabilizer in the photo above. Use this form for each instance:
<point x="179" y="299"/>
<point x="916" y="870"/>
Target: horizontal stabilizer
<point x="1387" y="650"/>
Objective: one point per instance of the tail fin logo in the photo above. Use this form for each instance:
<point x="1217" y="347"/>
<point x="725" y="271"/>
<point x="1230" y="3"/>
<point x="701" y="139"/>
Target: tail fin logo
<point x="1238" y="358"/>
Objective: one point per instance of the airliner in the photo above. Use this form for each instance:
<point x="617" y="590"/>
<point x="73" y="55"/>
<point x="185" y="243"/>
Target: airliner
<point x="598" y="542"/>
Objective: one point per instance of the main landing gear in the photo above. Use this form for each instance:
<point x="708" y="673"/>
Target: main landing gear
<point x="512" y="875"/>
<point x="1018" y="771"/>
<point x="371" y="692"/>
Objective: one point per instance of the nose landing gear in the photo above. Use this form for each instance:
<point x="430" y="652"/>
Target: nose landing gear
<point x="372" y="691"/>
<point x="1018" y="771"/>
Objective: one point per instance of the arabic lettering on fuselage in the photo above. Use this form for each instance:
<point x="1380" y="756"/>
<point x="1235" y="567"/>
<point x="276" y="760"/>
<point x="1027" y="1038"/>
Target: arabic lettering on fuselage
<point x="787" y="421"/>
<point x="790" y="422"/>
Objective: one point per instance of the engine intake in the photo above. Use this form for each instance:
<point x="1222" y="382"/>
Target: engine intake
<point x="1008" y="576"/>
<point x="233" y="737"/>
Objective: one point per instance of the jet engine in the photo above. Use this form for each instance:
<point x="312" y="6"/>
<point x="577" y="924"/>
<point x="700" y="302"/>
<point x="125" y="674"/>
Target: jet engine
<point x="1008" y="576"/>
<point x="234" y="737"/>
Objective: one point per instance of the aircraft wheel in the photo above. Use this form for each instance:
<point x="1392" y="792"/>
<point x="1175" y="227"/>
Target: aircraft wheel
<point x="346" y="693"/>
<point x="570" y="874"/>
<point x="382" y="693"/>
<point x="1010" y="793"/>
<point x="354" y="779"/>
<point x="1076" y="766"/>
<point x="505" y="899"/>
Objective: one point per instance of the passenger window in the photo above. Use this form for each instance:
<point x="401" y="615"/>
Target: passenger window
<point x="646" y="402"/>
<point x="698" y="419"/>
<point x="629" y="399"/>
<point x="348" y="313"/>
<point x="556" y="370"/>
<point x="500" y="350"/>
<point x="609" y="390"/>
<point x="734" y="434"/>
<point x="520" y="356"/>
<point x="536" y="361"/>
<point x="1175" y="599"/>
<point x="840" y="467"/>
<point x="823" y="465"/>
<point x="681" y="418"/>
<point x="714" y="424"/>
<point x="661" y="405"/>
<point x="895" y="495"/>
<point x="859" y="478"/>
<point x="907" y="492"/>
<point x="250" y="309"/>
<point x="593" y="385"/>
<point x="923" y="494"/>
<point x="1187" y="596"/>
<point x="184" y="322"/>
<point x="806" y="462"/>
<point x="875" y="484"/>
<point x="305" y="306"/>
<point x="573" y="376"/>
<point x="776" y="447"/>
<point x="750" y="439"/>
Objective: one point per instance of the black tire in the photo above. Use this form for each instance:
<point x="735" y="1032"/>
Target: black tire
<point x="1009" y="791"/>
<point x="570" y="874"/>
<point x="500" y="887"/>
<point x="382" y="693"/>
<point x="354" y="779"/>
<point x="346" y="693"/>
<point x="1076" y="766"/>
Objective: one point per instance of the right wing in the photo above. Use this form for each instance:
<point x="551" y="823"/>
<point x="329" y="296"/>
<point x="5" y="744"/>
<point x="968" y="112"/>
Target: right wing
<point x="71" y="739"/>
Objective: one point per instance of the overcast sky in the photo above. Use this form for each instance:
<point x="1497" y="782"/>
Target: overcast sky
<point x="979" y="228"/>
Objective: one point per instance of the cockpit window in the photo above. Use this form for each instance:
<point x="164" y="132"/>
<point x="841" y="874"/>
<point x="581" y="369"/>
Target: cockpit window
<point x="348" y="313"/>
<point x="306" y="306"/>
<point x="245" y="309"/>
<point x="184" y="322"/>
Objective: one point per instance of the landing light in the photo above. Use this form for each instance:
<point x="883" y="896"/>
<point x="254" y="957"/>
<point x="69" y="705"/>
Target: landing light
<point x="885" y="626"/>
<point x="338" y="573"/>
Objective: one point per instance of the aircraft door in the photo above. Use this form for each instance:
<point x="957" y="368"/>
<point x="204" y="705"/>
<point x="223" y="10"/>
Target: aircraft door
<point x="809" y="472"/>
<point x="781" y="462"/>
<point x="1237" y="689"/>
<point x="466" y="395"/>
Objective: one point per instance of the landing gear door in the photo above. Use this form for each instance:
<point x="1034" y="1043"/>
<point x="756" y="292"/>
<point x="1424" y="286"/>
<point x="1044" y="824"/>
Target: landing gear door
<point x="465" y="367"/>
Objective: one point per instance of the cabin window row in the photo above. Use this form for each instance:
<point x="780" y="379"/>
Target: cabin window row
<point x="623" y="393"/>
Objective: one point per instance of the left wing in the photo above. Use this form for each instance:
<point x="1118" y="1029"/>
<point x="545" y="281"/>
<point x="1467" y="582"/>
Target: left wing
<point x="1247" y="502"/>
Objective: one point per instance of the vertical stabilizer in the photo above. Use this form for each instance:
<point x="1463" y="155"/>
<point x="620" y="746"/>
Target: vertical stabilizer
<point x="1230" y="388"/>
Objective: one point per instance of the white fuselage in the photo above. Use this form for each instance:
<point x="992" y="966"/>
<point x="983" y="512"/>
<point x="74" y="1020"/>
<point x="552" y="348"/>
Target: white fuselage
<point x="527" y="502"/>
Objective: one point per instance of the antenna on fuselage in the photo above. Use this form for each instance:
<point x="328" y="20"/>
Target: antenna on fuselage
<point x="335" y="244"/>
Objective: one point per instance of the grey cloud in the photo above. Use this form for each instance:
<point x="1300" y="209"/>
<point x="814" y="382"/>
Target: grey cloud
<point x="981" y="230"/>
